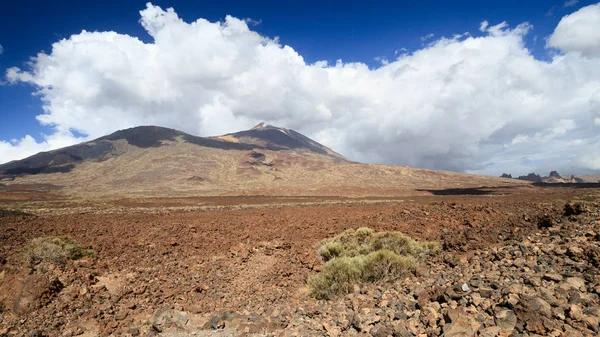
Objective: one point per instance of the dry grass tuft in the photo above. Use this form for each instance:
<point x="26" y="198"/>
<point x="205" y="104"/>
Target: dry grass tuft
<point x="363" y="255"/>
<point x="338" y="276"/>
<point x="385" y="265"/>
<point x="55" y="250"/>
<point x="364" y="241"/>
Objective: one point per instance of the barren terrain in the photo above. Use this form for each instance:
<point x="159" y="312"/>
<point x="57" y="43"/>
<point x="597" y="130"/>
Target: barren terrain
<point x="238" y="265"/>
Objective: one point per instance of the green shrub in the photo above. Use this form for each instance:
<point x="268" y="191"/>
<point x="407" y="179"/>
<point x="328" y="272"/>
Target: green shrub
<point x="348" y="244"/>
<point x="363" y="241"/>
<point x="386" y="265"/>
<point x="55" y="250"/>
<point x="363" y="255"/>
<point x="337" y="277"/>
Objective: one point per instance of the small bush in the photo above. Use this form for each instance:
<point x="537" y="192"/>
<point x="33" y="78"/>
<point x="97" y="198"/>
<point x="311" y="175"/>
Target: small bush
<point x="364" y="241"/>
<point x="337" y="277"/>
<point x="348" y="244"/>
<point x="363" y="255"/>
<point x="385" y="265"/>
<point x="56" y="250"/>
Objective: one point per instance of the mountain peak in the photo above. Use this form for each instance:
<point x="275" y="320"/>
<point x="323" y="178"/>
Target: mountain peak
<point x="265" y="126"/>
<point x="275" y="138"/>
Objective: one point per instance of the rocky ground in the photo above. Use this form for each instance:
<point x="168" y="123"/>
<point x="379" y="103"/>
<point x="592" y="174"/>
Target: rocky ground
<point x="545" y="283"/>
<point x="523" y="265"/>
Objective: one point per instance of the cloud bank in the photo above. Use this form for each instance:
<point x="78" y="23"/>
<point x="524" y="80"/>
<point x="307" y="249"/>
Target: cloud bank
<point x="466" y="103"/>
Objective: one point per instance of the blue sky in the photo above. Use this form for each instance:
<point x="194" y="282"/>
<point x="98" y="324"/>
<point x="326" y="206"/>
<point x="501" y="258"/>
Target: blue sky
<point x="353" y="31"/>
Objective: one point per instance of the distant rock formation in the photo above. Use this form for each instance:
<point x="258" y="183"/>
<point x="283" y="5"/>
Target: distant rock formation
<point x="575" y="179"/>
<point x="554" y="174"/>
<point x="536" y="178"/>
<point x="553" y="177"/>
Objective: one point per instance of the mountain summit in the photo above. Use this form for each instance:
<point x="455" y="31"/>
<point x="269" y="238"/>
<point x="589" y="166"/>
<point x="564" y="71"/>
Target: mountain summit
<point x="275" y="138"/>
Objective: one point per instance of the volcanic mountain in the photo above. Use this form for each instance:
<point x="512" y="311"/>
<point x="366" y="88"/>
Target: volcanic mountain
<point x="268" y="160"/>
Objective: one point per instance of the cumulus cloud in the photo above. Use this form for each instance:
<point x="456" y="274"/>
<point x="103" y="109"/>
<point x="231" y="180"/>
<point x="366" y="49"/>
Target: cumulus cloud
<point x="477" y="104"/>
<point x="578" y="32"/>
<point x="1" y="49"/>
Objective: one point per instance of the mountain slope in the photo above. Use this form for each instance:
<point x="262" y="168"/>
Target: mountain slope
<point x="64" y="160"/>
<point x="267" y="160"/>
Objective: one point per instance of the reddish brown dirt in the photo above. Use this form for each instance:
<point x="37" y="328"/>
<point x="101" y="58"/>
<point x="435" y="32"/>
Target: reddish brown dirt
<point x="248" y="259"/>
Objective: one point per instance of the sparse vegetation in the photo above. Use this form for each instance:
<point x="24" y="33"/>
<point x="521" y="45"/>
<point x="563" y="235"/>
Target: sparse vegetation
<point x="363" y="255"/>
<point x="55" y="250"/>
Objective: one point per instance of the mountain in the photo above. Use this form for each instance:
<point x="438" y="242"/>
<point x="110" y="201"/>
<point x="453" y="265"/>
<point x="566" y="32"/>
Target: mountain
<point x="152" y="160"/>
<point x="64" y="160"/>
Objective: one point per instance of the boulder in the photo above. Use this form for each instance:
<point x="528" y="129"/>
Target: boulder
<point x="506" y="320"/>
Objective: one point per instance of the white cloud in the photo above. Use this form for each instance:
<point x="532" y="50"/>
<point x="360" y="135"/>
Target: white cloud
<point x="324" y="112"/>
<point x="597" y="121"/>
<point x="252" y="22"/>
<point x="578" y="32"/>
<point x="1" y="49"/>
<point x="519" y="139"/>
<point x="570" y="3"/>
<point x="382" y="59"/>
<point x="427" y="37"/>
<point x="566" y="4"/>
<point x="558" y="129"/>
<point x="476" y="104"/>
<point x="483" y="26"/>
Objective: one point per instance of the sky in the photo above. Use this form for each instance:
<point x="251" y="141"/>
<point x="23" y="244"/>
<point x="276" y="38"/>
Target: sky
<point x="472" y="86"/>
